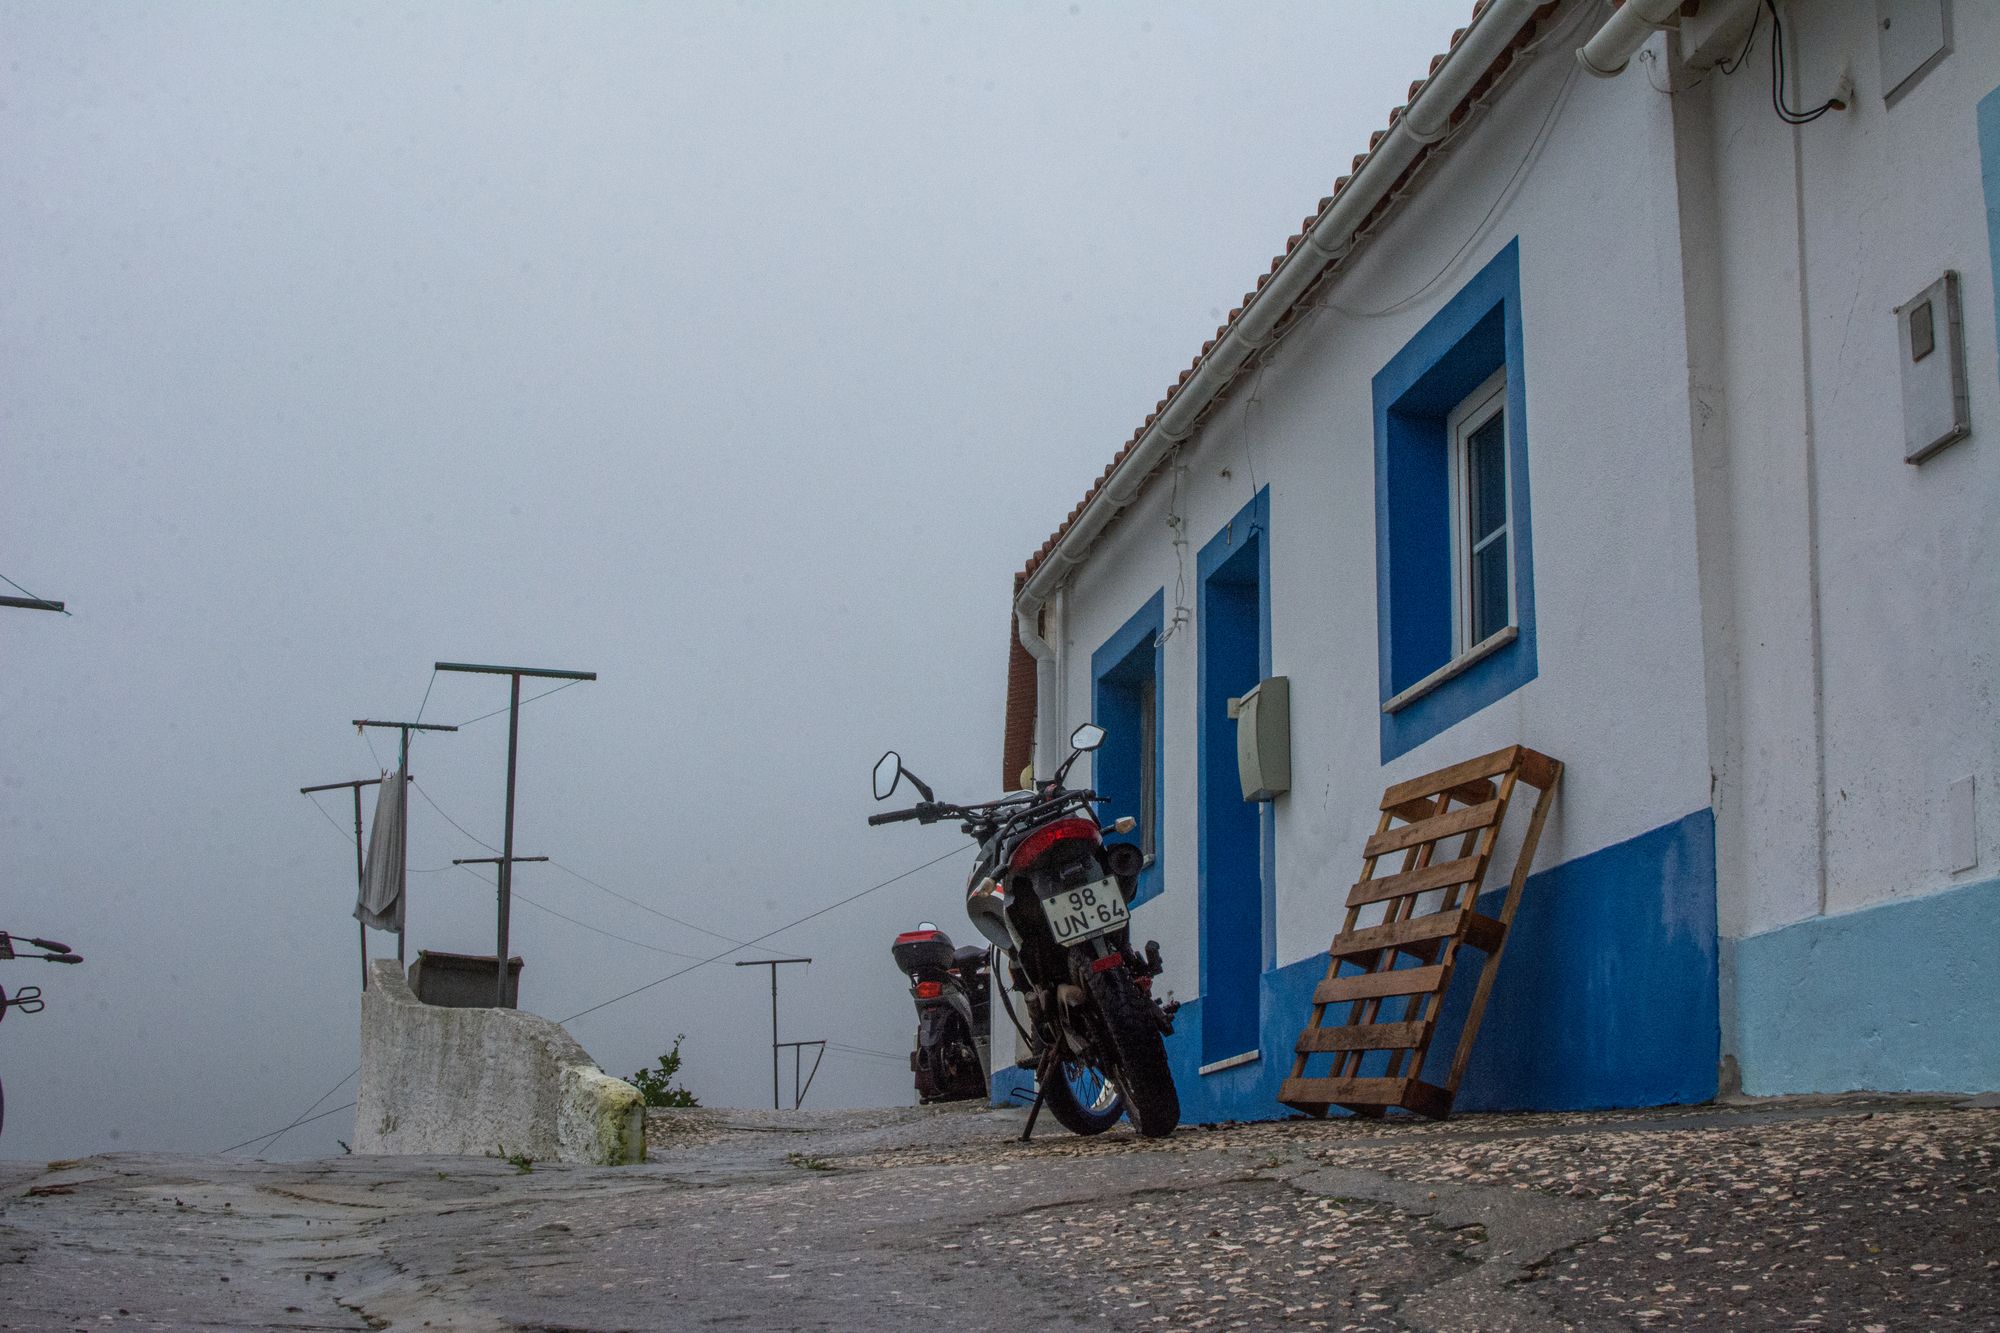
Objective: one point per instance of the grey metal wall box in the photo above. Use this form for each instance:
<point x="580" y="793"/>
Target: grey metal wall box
<point x="462" y="980"/>
<point x="1264" y="739"/>
<point x="1937" y="409"/>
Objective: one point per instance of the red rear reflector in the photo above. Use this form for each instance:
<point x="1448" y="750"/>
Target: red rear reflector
<point x="1037" y="844"/>
<point x="1106" y="964"/>
<point x="913" y="936"/>
<point x="930" y="990"/>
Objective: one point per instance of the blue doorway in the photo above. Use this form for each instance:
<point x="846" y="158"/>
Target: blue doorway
<point x="1235" y="618"/>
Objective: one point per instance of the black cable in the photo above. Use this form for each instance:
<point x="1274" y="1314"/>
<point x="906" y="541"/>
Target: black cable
<point x="665" y="916"/>
<point x="530" y="699"/>
<point x="427" y="694"/>
<point x="300" y="1118"/>
<point x="766" y="935"/>
<point x="345" y="836"/>
<point x="518" y="896"/>
<point x="1786" y="113"/>
<point x="449" y="820"/>
<point x="294" y="1125"/>
<point x="1730" y="67"/>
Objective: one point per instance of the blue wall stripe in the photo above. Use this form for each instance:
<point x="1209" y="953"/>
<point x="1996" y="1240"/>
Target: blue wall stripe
<point x="1607" y="995"/>
<point x="1900" y="997"/>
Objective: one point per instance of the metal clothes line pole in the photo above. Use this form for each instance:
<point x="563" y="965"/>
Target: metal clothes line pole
<point x="507" y="857"/>
<point x="360" y="869"/>
<point x="403" y="766"/>
<point x="774" y="964"/>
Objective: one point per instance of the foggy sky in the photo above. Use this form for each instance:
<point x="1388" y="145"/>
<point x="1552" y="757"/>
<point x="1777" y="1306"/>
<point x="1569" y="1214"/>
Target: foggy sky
<point x="737" y="352"/>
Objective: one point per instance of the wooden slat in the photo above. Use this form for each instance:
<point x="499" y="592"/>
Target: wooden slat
<point x="1369" y="985"/>
<point x="1444" y="779"/>
<point x="1440" y="876"/>
<point x="1362" y="1037"/>
<point x="1397" y="934"/>
<point x="1427" y="1099"/>
<point x="1340" y="1091"/>
<point x="1484" y="933"/>
<point x="1430" y="830"/>
<point x="1538" y="770"/>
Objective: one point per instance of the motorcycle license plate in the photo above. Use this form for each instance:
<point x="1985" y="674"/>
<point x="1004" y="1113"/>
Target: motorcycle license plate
<point x="1081" y="914"/>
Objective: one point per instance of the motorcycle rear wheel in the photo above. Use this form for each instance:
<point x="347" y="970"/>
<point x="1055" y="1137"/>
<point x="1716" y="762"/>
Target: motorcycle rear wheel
<point x="1151" y="1100"/>
<point x="1083" y="1100"/>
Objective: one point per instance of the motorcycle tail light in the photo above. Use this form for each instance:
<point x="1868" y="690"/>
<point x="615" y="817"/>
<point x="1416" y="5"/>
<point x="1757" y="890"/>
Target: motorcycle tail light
<point x="930" y="990"/>
<point x="1037" y="844"/>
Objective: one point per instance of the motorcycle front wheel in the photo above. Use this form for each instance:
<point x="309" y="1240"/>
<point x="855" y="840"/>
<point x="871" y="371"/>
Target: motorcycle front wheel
<point x="1083" y="1100"/>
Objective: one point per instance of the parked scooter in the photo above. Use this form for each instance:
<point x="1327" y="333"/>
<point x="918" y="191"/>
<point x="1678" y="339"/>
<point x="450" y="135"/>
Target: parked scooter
<point x="952" y="995"/>
<point x="1054" y="898"/>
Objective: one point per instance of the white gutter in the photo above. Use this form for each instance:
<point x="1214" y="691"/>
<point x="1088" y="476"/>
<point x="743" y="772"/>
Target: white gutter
<point x="1614" y="44"/>
<point x="1424" y="121"/>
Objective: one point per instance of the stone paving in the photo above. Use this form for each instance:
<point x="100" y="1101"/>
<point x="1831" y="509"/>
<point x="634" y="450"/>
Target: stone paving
<point x="1861" y="1214"/>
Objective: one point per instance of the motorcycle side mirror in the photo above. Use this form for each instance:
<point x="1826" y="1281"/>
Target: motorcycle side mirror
<point x="888" y="772"/>
<point x="1087" y="737"/>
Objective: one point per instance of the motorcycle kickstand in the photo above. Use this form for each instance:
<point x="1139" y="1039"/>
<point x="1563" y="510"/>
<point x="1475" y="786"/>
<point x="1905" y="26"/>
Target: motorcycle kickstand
<point x="1042" y="1075"/>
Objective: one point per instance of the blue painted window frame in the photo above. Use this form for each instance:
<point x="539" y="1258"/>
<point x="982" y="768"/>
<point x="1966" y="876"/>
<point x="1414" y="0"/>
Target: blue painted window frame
<point x="1216" y="764"/>
<point x="1132" y="653"/>
<point x="1476" y="333"/>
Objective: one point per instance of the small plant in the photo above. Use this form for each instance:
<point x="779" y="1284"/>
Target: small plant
<point x="657" y="1085"/>
<point x="520" y="1161"/>
<point x="805" y="1162"/>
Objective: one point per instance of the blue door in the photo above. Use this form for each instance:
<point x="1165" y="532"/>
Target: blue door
<point x="1235" y="654"/>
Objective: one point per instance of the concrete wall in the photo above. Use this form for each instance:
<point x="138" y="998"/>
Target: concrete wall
<point x="474" y="1082"/>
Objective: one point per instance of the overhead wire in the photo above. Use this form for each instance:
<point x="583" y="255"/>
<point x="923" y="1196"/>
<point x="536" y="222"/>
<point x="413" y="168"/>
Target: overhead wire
<point x="518" y="896"/>
<point x="790" y="925"/>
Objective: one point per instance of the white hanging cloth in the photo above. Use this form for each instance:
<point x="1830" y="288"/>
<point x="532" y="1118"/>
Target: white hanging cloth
<point x="381" y="904"/>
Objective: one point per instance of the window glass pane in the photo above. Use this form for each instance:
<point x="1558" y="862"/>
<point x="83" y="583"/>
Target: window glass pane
<point x="1489" y="591"/>
<point x="1486" y="477"/>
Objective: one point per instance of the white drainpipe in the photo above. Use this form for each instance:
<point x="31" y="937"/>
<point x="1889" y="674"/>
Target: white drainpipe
<point x="1614" y="44"/>
<point x="1424" y="121"/>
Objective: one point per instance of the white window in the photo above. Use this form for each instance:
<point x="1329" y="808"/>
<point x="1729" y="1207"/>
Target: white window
<point x="1482" y="540"/>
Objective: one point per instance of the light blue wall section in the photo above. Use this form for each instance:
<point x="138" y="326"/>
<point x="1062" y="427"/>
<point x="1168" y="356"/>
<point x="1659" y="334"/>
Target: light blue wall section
<point x="1989" y="174"/>
<point x="1902" y="997"/>
<point x="1606" y="996"/>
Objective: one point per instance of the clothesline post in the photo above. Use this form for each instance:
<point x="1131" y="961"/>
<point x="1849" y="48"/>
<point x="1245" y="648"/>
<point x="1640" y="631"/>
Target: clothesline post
<point x="360" y="870"/>
<point x="403" y="811"/>
<point x="507" y="857"/>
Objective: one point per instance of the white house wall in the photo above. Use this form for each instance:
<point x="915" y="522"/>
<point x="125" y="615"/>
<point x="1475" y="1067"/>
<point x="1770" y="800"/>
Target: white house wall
<point x="1619" y="695"/>
<point x="1855" y="632"/>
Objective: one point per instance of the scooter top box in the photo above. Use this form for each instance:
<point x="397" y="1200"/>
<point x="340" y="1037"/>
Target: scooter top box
<point x="922" y="949"/>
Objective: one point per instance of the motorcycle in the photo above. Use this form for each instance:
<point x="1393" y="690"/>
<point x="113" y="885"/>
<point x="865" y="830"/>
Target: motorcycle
<point x="952" y="995"/>
<point x="1054" y="899"/>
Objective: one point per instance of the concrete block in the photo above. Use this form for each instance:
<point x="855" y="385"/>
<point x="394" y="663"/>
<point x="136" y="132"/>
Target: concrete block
<point x="474" y="1082"/>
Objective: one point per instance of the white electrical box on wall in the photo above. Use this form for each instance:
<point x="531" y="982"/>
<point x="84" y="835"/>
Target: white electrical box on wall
<point x="1937" y="409"/>
<point x="1913" y="36"/>
<point x="1264" y="739"/>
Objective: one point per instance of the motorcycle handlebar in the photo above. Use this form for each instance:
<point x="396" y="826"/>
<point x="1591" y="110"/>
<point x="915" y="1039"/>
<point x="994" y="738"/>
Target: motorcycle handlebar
<point x="896" y="816"/>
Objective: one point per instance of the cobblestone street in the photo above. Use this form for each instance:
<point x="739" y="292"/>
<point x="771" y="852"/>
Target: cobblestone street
<point x="1848" y="1214"/>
